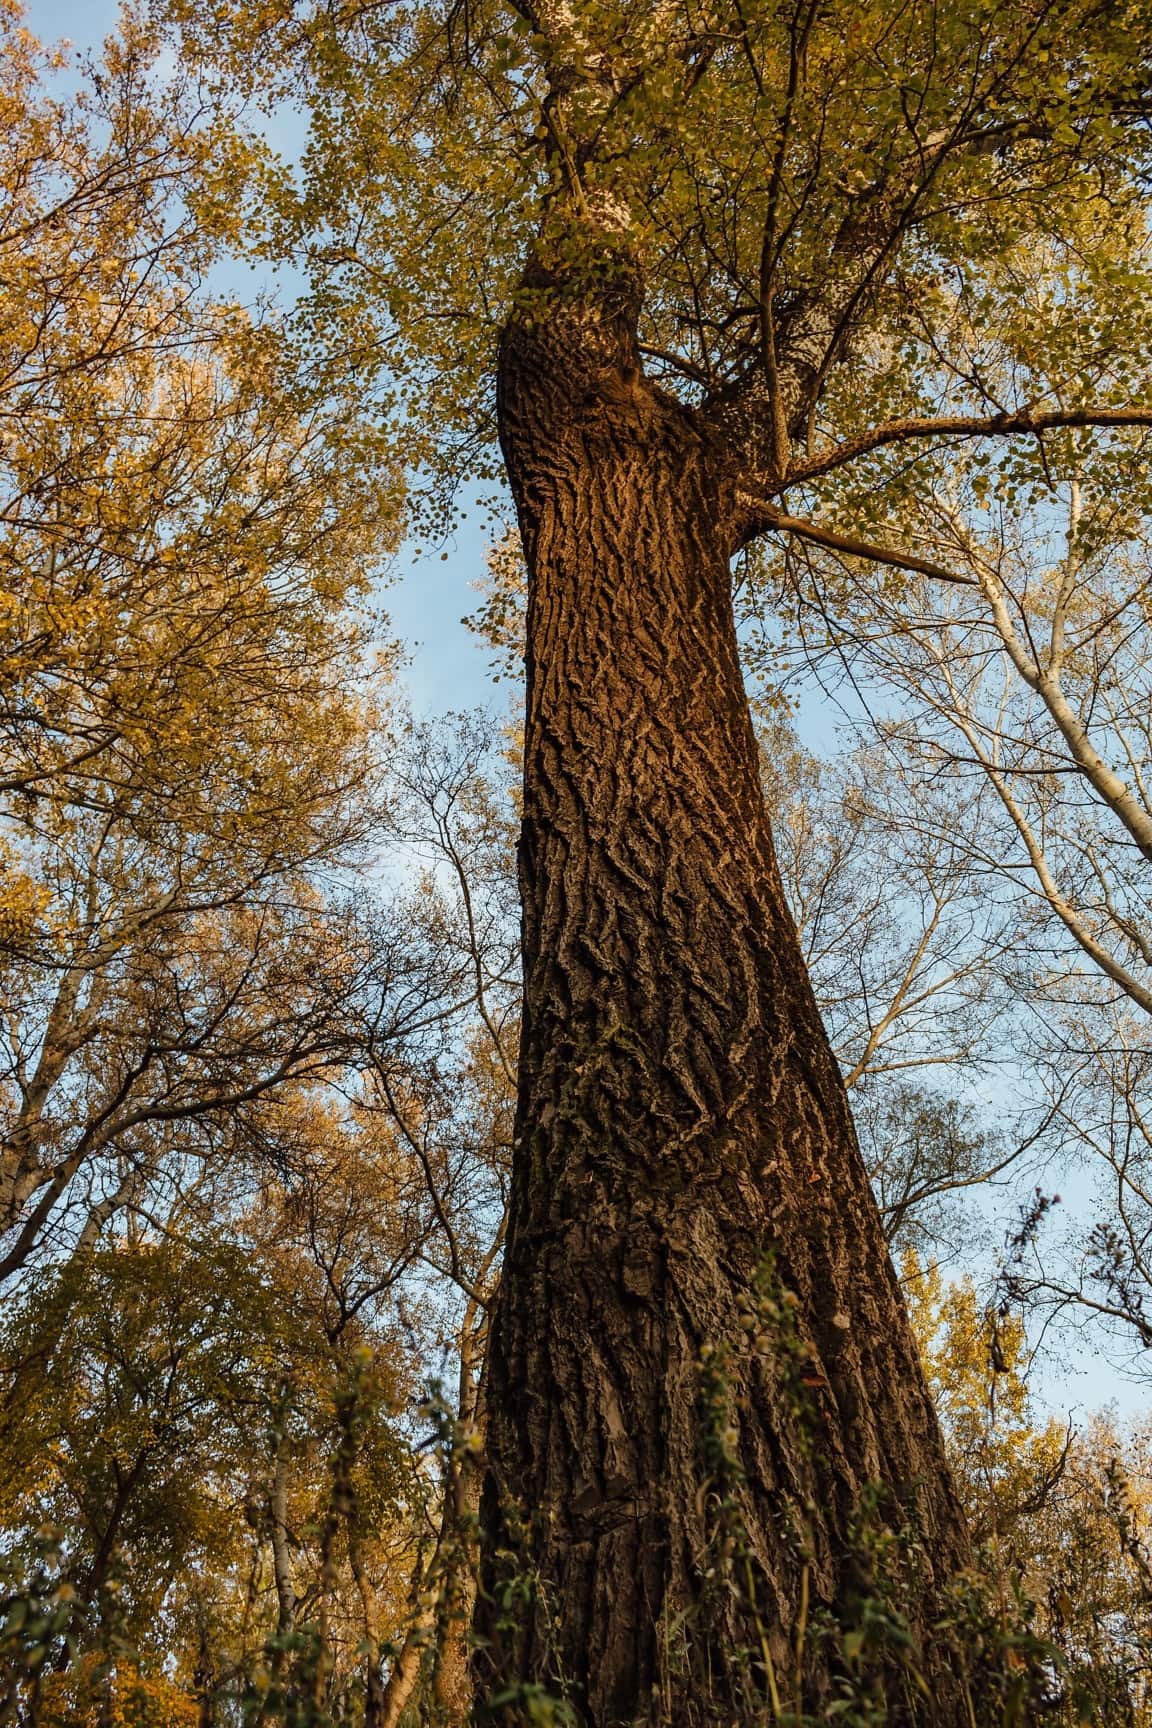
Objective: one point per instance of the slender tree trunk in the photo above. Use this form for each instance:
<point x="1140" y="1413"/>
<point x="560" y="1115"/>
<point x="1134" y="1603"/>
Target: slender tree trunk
<point x="205" y="1678"/>
<point x="458" y="1553"/>
<point x="452" y="1686"/>
<point x="281" y="1552"/>
<point x="370" y="1608"/>
<point x="445" y="1590"/>
<point x="682" y="1124"/>
<point x="282" y="1572"/>
<point x="402" y="1680"/>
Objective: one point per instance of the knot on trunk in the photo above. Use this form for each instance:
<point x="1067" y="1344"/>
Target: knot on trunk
<point x="578" y="309"/>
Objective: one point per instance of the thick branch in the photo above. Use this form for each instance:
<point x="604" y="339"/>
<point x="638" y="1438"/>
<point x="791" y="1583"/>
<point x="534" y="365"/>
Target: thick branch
<point x="761" y="517"/>
<point x="1002" y="425"/>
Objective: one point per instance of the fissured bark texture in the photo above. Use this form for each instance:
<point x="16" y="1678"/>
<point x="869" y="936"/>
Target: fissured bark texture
<point x="681" y="1117"/>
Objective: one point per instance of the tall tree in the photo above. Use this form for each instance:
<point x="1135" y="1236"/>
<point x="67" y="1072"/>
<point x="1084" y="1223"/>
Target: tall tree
<point x="714" y="260"/>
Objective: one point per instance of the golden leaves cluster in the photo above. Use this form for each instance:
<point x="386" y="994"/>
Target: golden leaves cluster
<point x="1066" y="1513"/>
<point x="193" y="683"/>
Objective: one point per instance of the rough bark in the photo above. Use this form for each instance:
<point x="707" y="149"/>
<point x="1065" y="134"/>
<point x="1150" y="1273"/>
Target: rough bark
<point x="681" y="1116"/>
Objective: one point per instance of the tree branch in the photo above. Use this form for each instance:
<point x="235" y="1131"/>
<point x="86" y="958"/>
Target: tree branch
<point x="762" y="517"/>
<point x="1002" y="425"/>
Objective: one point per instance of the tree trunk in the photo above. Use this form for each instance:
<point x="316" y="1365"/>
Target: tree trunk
<point x="457" y="1556"/>
<point x="204" y="1680"/>
<point x="444" y="1592"/>
<point x="700" y="1358"/>
<point x="452" y="1685"/>
<point x="406" y="1669"/>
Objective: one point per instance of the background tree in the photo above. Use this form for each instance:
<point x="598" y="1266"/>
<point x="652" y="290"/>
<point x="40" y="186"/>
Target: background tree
<point x="230" y="1484"/>
<point x="454" y="811"/>
<point x="1062" y="1514"/>
<point x="1021" y="694"/>
<point x="191" y="719"/>
<point x="258" y="1357"/>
